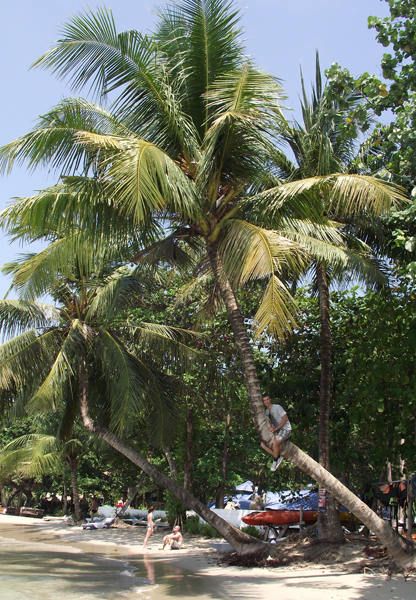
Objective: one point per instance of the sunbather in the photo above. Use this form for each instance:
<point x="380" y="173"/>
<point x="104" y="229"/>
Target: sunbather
<point x="100" y="524"/>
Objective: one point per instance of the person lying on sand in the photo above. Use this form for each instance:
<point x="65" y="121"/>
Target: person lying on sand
<point x="174" y="539"/>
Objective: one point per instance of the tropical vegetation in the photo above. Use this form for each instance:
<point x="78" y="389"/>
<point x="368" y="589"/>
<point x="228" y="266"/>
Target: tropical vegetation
<point x="184" y="169"/>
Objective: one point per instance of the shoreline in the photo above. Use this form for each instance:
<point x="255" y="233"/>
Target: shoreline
<point x="199" y="564"/>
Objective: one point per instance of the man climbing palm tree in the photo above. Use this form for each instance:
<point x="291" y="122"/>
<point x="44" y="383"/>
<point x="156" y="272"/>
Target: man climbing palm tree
<point x="281" y="428"/>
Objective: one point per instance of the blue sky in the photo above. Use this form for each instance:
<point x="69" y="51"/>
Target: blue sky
<point x="281" y="35"/>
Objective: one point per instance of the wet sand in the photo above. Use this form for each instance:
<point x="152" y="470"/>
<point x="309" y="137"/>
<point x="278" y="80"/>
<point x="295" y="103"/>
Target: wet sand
<point x="192" y="572"/>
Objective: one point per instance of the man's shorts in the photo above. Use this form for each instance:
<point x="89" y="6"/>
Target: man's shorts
<point x="283" y="434"/>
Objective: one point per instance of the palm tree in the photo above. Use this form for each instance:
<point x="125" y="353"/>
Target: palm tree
<point x="34" y="455"/>
<point x="324" y="147"/>
<point x="191" y="129"/>
<point x="83" y="353"/>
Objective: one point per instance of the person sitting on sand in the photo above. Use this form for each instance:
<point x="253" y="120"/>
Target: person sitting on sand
<point x="174" y="539"/>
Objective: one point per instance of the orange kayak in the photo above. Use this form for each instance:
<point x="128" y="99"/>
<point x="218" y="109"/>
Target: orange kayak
<point x="283" y="517"/>
<point x="279" y="517"/>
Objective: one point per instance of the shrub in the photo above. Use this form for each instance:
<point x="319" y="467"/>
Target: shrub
<point x="174" y="508"/>
<point x="208" y="531"/>
<point x="251" y="530"/>
<point x="192" y="525"/>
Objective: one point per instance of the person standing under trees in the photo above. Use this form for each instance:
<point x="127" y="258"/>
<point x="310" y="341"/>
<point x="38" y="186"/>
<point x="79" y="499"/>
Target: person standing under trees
<point x="280" y="426"/>
<point x="150" y="525"/>
<point x="93" y="508"/>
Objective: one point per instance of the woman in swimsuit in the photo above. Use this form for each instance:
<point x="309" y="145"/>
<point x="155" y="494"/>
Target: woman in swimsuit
<point x="150" y="525"/>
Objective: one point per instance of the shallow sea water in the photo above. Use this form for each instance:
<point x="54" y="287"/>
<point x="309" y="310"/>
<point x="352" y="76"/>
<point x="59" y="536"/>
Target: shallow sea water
<point x="44" y="572"/>
<point x="34" y="570"/>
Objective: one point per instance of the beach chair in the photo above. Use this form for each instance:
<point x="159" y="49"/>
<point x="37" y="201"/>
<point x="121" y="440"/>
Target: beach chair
<point x="140" y="522"/>
<point x="100" y="524"/>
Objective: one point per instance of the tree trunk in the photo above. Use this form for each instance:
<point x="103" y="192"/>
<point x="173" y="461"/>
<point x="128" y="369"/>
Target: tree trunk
<point x="401" y="550"/>
<point x="136" y="488"/>
<point x="28" y="493"/>
<point x="12" y="497"/>
<point x="130" y="499"/>
<point x="409" y="507"/>
<point x="219" y="500"/>
<point x="388" y="471"/>
<point x="64" y="500"/>
<point x="329" y="525"/>
<point x="73" y="462"/>
<point x="172" y="466"/>
<point x="3" y="496"/>
<point x="240" y="541"/>
<point x="219" y="503"/>
<point x="187" y="467"/>
<point x="243" y="344"/>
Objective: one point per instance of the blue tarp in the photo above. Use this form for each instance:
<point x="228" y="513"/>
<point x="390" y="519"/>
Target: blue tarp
<point x="285" y="500"/>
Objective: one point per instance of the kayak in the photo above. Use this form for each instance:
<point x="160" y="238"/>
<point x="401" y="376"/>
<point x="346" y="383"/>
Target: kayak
<point x="283" y="517"/>
<point x="279" y="517"/>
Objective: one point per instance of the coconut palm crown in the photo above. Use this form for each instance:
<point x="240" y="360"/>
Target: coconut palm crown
<point x="50" y="352"/>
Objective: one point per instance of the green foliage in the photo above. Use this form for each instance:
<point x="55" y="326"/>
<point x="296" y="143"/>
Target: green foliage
<point x="208" y="531"/>
<point x="192" y="525"/>
<point x="174" y="508"/>
<point x="373" y="387"/>
<point x="391" y="149"/>
<point x="251" y="530"/>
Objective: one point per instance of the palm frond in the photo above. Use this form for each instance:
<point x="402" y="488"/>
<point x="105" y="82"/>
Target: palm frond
<point x="49" y="394"/>
<point x="16" y="316"/>
<point x="244" y="108"/>
<point x="144" y="179"/>
<point x="131" y="386"/>
<point x="361" y="194"/>
<point x="54" y="141"/>
<point x="203" y="34"/>
<point x="25" y="358"/>
<point x="31" y="456"/>
<point x="276" y="314"/>
<point x="91" y="51"/>
<point x="251" y="252"/>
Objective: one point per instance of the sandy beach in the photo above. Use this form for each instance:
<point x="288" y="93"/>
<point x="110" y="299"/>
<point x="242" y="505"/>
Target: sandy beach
<point x="194" y="571"/>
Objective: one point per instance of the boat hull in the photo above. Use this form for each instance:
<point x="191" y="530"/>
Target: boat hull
<point x="283" y="517"/>
<point x="279" y="517"/>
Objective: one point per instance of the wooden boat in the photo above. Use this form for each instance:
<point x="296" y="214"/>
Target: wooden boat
<point x="279" y="517"/>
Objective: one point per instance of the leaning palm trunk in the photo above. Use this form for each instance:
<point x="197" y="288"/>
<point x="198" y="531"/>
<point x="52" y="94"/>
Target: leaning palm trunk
<point x="402" y="551"/>
<point x="240" y="541"/>
<point x="329" y="525"/>
<point x="243" y="344"/>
